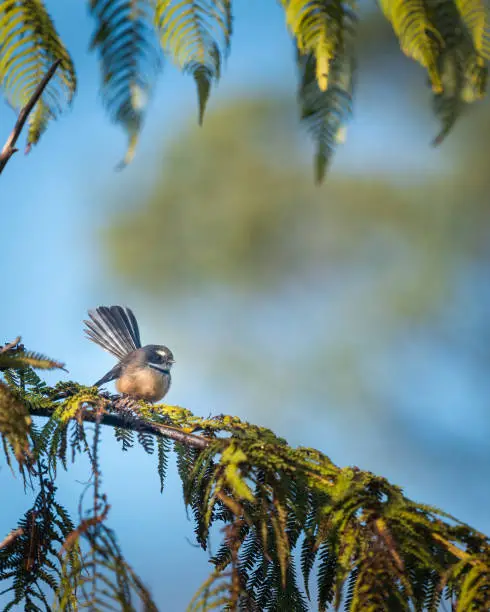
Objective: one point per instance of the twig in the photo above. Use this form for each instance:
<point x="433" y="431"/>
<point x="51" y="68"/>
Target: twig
<point x="10" y="345"/>
<point x="9" y="147"/>
<point x="84" y="526"/>
<point x="114" y="420"/>
<point x="381" y="530"/>
<point x="13" y="535"/>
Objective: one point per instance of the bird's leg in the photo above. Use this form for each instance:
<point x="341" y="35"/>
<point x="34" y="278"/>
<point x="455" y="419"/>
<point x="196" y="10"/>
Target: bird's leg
<point x="126" y="403"/>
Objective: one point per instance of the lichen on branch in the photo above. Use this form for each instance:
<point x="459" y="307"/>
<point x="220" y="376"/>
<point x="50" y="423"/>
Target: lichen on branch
<point x="279" y="508"/>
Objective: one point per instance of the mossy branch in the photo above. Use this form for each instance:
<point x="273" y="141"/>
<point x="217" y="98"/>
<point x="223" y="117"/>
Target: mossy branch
<point x="371" y="547"/>
<point x="141" y="426"/>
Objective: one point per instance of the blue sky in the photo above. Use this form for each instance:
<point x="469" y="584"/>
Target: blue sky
<point x="52" y="205"/>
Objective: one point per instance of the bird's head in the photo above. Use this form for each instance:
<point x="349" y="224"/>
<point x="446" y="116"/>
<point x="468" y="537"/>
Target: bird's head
<point x="159" y="357"/>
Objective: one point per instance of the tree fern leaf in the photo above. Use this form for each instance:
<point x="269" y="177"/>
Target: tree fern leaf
<point x="325" y="112"/>
<point x="474" y="14"/>
<point x="15" y="423"/>
<point x="30" y="45"/>
<point x="463" y="71"/>
<point x="418" y="36"/>
<point x="250" y="551"/>
<point x="290" y="597"/>
<point x="163" y="450"/>
<point x="448" y="104"/>
<point x="147" y="441"/>
<point x="308" y="555"/>
<point x="475" y="590"/>
<point x="196" y="34"/>
<point x="317" y="26"/>
<point x="281" y="541"/>
<point x="125" y="436"/>
<point x="21" y="359"/>
<point x="129" y="62"/>
<point x="326" y="575"/>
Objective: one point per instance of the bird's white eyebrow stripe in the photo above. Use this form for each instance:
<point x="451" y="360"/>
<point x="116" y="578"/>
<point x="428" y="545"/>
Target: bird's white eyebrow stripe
<point x="162" y="353"/>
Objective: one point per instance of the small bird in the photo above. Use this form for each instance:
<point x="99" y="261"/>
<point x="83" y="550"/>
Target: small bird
<point x="142" y="372"/>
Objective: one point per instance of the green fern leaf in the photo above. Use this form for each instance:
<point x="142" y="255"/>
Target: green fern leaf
<point x="31" y="559"/>
<point x="474" y="14"/>
<point x="308" y="555"/>
<point x="326" y="112"/>
<point x="419" y="37"/>
<point x="30" y="45"/>
<point x="326" y="575"/>
<point x="15" y="423"/>
<point x="448" y="104"/>
<point x="463" y="70"/>
<point x="147" y="441"/>
<point x="475" y="590"/>
<point x="124" y="39"/>
<point x="163" y="450"/>
<point x="317" y="26"/>
<point x="125" y="436"/>
<point x="19" y="359"/>
<point x="196" y="34"/>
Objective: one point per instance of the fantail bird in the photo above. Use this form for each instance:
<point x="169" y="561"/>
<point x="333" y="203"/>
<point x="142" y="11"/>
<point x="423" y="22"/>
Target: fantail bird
<point x="142" y="372"/>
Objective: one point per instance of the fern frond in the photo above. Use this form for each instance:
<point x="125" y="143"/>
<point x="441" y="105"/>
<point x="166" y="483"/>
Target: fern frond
<point x="196" y="34"/>
<point x="163" y="450"/>
<point x="374" y="548"/>
<point x="326" y="574"/>
<point x="377" y="588"/>
<point x="290" y="597"/>
<point x="308" y="556"/>
<point x="325" y="113"/>
<point x="475" y="15"/>
<point x="30" y="561"/>
<point x="419" y="37"/>
<point x="323" y="32"/>
<point x="30" y="45"/>
<point x="350" y="589"/>
<point x="250" y="551"/>
<point x="15" y="424"/>
<point x="124" y="39"/>
<point x="23" y="359"/>
<point x="147" y="441"/>
<point x="462" y="68"/>
<point x="33" y="384"/>
<point x="125" y="436"/>
<point x="108" y="578"/>
<point x="213" y="594"/>
<point x="449" y="104"/>
<point x="317" y="26"/>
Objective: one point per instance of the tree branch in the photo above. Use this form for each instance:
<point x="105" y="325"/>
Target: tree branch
<point x="13" y="535"/>
<point x="115" y="420"/>
<point x="10" y="345"/>
<point x="9" y="147"/>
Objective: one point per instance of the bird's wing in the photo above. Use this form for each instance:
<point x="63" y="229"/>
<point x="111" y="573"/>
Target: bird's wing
<point x="111" y="375"/>
<point x="115" y="329"/>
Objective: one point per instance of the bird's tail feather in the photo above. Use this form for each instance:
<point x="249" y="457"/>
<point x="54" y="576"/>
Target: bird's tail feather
<point x="115" y="329"/>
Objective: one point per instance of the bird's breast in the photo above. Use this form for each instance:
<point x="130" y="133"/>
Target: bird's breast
<point x="144" y="383"/>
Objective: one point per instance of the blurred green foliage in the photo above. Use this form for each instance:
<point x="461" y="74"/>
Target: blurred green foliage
<point x="234" y="206"/>
<point x="332" y="283"/>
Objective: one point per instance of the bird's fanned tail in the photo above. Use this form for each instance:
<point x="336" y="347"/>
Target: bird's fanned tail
<point x="115" y="329"/>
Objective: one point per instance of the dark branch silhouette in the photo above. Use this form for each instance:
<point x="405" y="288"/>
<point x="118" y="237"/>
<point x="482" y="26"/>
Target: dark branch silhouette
<point x="9" y="147"/>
